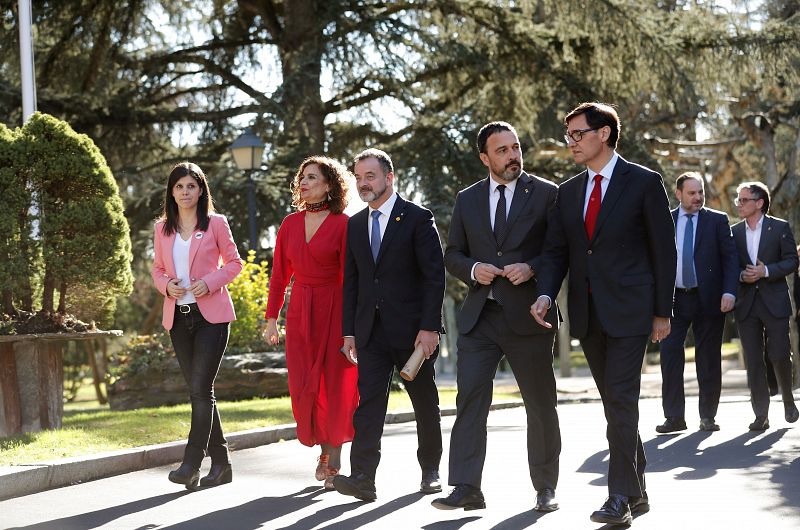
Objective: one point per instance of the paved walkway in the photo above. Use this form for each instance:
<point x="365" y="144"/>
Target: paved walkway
<point x="728" y="479"/>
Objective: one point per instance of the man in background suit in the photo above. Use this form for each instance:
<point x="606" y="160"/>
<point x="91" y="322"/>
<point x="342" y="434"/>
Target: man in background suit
<point x="613" y="232"/>
<point x="496" y="235"/>
<point x="767" y="255"/>
<point x="392" y="302"/>
<point x="705" y="289"/>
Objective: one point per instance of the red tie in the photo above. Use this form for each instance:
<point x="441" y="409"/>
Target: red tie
<point x="594" y="206"/>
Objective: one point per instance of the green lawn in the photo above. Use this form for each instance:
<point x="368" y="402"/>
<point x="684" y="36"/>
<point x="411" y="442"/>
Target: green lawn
<point x="89" y="428"/>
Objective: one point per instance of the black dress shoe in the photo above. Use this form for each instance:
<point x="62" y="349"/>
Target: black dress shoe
<point x="760" y="424"/>
<point x="462" y="496"/>
<point x="218" y="474"/>
<point x="790" y="412"/>
<point x="430" y="482"/>
<point x="639" y="504"/>
<point x="708" y="424"/>
<point x="614" y="511"/>
<point x="186" y="475"/>
<point x="546" y="500"/>
<point x="672" y="424"/>
<point x="359" y="486"/>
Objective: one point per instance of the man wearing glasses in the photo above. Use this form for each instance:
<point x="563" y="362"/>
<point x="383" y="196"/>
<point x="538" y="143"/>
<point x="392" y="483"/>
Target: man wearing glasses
<point x="767" y="255"/>
<point x="613" y="232"/>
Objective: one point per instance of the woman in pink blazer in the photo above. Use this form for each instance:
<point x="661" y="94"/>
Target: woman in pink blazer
<point x="195" y="258"/>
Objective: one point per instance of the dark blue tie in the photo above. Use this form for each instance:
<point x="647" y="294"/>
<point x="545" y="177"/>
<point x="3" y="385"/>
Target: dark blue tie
<point x="375" y="238"/>
<point x="689" y="279"/>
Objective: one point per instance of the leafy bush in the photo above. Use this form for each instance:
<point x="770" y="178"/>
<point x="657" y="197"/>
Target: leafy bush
<point x="249" y="292"/>
<point x="142" y="353"/>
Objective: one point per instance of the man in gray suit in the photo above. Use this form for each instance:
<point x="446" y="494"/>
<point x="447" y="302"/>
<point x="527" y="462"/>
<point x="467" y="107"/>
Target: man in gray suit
<point x="496" y="235"/>
<point x="767" y="255"/>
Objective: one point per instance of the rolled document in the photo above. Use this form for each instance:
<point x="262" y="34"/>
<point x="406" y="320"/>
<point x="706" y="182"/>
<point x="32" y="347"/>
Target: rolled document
<point x="409" y="371"/>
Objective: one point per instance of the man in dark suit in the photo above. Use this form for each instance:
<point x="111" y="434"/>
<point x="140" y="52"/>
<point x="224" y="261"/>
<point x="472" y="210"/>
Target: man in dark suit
<point x="705" y="289"/>
<point x="767" y="255"/>
<point x="393" y="292"/>
<point x="496" y="235"/>
<point x="613" y="232"/>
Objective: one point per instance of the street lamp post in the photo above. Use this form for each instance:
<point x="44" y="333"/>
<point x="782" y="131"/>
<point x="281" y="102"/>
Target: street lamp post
<point x="247" y="151"/>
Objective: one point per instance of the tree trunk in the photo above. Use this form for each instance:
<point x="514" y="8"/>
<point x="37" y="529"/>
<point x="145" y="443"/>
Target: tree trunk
<point x="49" y="287"/>
<point x="301" y="50"/>
<point x="8" y="302"/>
<point x="62" y="297"/>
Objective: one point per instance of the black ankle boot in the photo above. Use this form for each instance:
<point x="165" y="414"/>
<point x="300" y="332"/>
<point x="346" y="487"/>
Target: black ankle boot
<point x="187" y="475"/>
<point x="218" y="474"/>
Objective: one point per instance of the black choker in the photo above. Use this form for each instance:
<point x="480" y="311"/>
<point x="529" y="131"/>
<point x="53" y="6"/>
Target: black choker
<point x="317" y="206"/>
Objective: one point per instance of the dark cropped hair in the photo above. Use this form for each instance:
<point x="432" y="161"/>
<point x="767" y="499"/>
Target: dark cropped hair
<point x="382" y="157"/>
<point x="491" y="128"/>
<point x="759" y="191"/>
<point x="683" y="177"/>
<point x="598" y="115"/>
<point x="336" y="175"/>
<point x="205" y="204"/>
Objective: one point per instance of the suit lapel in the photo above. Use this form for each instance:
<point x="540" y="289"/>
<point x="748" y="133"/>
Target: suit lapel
<point x="482" y="205"/>
<point x="766" y="235"/>
<point x="702" y="217"/>
<point x="580" y="197"/>
<point x="197" y="240"/>
<point x="166" y="250"/>
<point x="619" y="180"/>
<point x="522" y="192"/>
<point x="741" y="240"/>
<point x="361" y="234"/>
<point x="398" y="213"/>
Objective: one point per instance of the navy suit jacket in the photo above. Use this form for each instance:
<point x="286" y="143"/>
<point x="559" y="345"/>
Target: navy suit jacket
<point x="629" y="264"/>
<point x="406" y="284"/>
<point x="716" y="263"/>
<point x="776" y="249"/>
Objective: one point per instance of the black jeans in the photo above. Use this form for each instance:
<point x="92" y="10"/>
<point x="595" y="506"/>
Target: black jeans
<point x="199" y="346"/>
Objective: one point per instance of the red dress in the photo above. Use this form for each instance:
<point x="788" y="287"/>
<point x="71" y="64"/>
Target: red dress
<point x="322" y="382"/>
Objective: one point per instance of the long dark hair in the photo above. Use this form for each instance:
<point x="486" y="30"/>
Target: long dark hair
<point x="205" y="204"/>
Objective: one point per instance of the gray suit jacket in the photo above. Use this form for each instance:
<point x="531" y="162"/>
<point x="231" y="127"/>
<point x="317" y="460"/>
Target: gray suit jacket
<point x="472" y="240"/>
<point x="777" y="251"/>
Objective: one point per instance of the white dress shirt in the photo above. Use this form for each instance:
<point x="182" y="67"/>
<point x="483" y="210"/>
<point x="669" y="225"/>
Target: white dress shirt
<point x="753" y="238"/>
<point x="180" y="257"/>
<point x="607" y="171"/>
<point x="494" y="198"/>
<point x="680" y="232"/>
<point x="383" y="219"/>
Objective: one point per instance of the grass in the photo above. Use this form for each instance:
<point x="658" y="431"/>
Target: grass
<point x="89" y="428"/>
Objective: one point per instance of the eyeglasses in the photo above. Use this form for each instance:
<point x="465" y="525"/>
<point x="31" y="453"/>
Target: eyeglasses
<point x="739" y="201"/>
<point x="577" y="134"/>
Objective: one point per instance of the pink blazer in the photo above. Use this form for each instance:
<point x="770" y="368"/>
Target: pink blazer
<point x="213" y="257"/>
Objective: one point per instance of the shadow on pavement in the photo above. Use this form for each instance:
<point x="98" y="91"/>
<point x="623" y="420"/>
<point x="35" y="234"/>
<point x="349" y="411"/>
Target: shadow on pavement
<point x="253" y="514"/>
<point x="455" y="524"/>
<point x="363" y="520"/>
<point x="521" y="520"/>
<point x="101" y="517"/>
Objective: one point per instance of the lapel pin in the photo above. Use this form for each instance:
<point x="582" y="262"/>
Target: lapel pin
<point x="198" y="235"/>
<point x="397" y="218"/>
<point x="526" y="190"/>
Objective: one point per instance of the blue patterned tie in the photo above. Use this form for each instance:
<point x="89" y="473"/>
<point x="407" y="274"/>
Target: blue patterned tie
<point x="687" y="261"/>
<point x="375" y="238"/>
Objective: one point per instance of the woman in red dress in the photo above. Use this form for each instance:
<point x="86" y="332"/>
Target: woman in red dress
<point x="310" y="248"/>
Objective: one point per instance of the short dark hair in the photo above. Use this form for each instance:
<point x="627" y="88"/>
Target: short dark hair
<point x="598" y="115"/>
<point x="336" y="175"/>
<point x="381" y="156"/>
<point x="759" y="191"/>
<point x="491" y="128"/>
<point x="205" y="205"/>
<point x="683" y="177"/>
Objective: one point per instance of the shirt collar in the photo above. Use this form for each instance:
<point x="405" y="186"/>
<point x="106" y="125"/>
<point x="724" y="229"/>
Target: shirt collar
<point x="386" y="207"/>
<point x="607" y="170"/>
<point x="510" y="185"/>
<point x="758" y="224"/>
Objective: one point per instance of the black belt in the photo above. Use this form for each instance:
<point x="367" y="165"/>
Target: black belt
<point x="187" y="308"/>
<point x="686" y="290"/>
